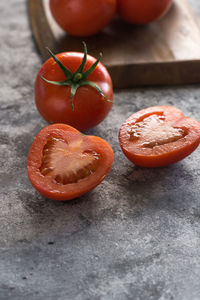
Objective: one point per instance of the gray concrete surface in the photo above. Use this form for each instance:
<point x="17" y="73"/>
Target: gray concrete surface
<point x="136" y="236"/>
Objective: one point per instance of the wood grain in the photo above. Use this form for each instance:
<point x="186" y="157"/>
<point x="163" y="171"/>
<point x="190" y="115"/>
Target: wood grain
<point x="165" y="52"/>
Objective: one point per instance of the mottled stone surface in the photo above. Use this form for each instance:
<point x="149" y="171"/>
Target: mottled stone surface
<point x="136" y="236"/>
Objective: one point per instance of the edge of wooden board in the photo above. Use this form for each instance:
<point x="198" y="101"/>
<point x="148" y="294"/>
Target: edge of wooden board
<point x="156" y="74"/>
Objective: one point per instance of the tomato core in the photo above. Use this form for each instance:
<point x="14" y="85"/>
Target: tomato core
<point x="66" y="162"/>
<point x="153" y="131"/>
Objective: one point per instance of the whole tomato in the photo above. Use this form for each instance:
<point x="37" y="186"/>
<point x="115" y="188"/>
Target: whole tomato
<point x="83" y="17"/>
<point x="75" y="89"/>
<point x="143" y="11"/>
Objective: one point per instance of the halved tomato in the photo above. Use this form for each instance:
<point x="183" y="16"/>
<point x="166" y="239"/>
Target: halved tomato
<point x="158" y="136"/>
<point x="64" y="164"/>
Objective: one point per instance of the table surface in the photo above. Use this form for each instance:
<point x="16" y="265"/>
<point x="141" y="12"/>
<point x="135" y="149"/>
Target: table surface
<point x="136" y="236"/>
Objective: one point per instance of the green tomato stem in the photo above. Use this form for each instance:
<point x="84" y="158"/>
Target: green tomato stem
<point x="78" y="78"/>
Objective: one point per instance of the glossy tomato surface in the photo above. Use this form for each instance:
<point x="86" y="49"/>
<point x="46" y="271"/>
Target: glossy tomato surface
<point x="143" y="11"/>
<point x="64" y="164"/>
<point x="83" y="17"/>
<point x="54" y="102"/>
<point x="158" y="136"/>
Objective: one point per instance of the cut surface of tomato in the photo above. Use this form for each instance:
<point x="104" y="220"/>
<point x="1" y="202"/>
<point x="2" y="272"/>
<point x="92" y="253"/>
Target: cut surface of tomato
<point x="64" y="164"/>
<point x="158" y="136"/>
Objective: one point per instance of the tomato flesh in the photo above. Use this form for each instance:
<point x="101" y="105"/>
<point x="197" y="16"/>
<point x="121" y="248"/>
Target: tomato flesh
<point x="64" y="164"/>
<point x="159" y="136"/>
<point x="154" y="131"/>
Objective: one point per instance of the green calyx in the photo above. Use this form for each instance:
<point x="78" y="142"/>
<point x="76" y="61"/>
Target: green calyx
<point x="78" y="78"/>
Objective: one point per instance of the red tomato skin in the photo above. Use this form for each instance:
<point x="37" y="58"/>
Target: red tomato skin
<point x="143" y="11"/>
<point x="54" y="102"/>
<point x="169" y="154"/>
<point x="83" y="17"/>
<point x="49" y="189"/>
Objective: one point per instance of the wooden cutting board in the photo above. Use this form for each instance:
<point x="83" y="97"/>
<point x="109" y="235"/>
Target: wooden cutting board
<point x="165" y="52"/>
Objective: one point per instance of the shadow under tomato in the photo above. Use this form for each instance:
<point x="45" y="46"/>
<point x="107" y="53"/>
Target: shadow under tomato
<point x="154" y="188"/>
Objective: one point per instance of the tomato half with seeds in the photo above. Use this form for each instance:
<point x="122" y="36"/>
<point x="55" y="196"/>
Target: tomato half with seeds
<point x="64" y="164"/>
<point x="75" y="89"/>
<point x="143" y="11"/>
<point x="158" y="136"/>
<point x="83" y="17"/>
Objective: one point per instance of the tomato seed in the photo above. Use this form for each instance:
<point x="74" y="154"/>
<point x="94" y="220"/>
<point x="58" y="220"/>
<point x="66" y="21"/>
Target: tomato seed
<point x="66" y="162"/>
